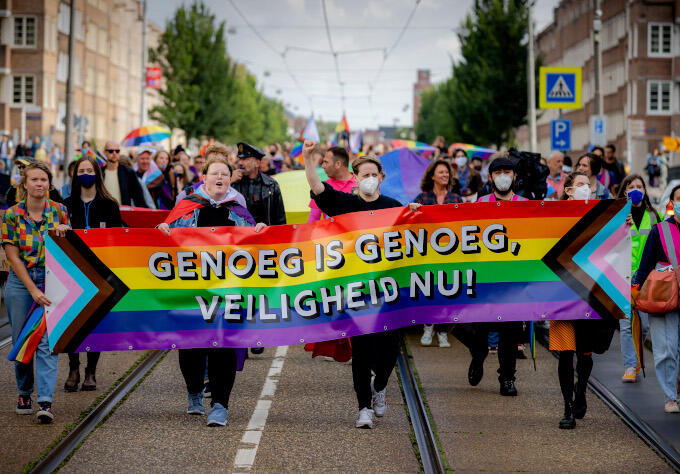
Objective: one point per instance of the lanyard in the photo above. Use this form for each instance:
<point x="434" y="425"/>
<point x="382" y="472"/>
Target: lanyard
<point x="86" y="205"/>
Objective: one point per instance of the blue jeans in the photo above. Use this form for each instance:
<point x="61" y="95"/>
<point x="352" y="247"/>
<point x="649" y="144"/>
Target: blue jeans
<point x="665" y="331"/>
<point x="493" y="339"/>
<point x="18" y="301"/>
<point x="630" y="358"/>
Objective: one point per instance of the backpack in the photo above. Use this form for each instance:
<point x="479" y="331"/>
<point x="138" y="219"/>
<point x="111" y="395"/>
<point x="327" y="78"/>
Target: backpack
<point x="659" y="293"/>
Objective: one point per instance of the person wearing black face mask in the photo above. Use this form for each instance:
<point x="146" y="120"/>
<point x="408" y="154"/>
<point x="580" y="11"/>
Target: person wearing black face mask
<point x="90" y="206"/>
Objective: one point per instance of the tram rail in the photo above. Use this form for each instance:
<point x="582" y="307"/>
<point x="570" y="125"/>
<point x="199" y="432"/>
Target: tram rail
<point x="62" y="450"/>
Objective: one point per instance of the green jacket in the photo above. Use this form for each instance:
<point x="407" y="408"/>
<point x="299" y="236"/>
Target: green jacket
<point x="639" y="237"/>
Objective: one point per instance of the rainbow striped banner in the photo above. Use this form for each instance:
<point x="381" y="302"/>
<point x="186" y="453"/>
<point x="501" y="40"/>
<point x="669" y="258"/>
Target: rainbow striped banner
<point x="122" y="289"/>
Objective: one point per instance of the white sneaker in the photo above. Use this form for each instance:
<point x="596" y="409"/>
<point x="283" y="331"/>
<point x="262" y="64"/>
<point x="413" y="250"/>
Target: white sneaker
<point x="379" y="404"/>
<point x="365" y="418"/>
<point x="426" y="340"/>
<point x="443" y="339"/>
<point x="671" y="407"/>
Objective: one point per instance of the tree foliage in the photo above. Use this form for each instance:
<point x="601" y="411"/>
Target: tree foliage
<point x="205" y="92"/>
<point x="486" y="97"/>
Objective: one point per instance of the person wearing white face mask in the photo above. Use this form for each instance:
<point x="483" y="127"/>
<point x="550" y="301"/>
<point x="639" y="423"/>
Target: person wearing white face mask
<point x="591" y="165"/>
<point x="378" y="351"/>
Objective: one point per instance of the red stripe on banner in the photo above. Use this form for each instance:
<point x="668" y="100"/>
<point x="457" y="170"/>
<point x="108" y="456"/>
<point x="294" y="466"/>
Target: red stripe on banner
<point x="349" y="222"/>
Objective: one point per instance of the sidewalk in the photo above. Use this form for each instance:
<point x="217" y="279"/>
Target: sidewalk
<point x="481" y="430"/>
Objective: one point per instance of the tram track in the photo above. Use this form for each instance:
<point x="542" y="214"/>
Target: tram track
<point x="70" y="442"/>
<point x="627" y="415"/>
<point x="427" y="444"/>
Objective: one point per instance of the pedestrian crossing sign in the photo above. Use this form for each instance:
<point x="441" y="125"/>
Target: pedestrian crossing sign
<point x="560" y="88"/>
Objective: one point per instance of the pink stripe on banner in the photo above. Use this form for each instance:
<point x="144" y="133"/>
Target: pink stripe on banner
<point x="73" y="292"/>
<point x="562" y="310"/>
<point x="598" y="259"/>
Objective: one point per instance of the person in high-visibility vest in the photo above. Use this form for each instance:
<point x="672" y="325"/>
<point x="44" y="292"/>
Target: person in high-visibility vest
<point x="641" y="220"/>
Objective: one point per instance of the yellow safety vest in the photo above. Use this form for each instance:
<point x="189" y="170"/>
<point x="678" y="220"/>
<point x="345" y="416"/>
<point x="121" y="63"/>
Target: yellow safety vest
<point x="639" y="238"/>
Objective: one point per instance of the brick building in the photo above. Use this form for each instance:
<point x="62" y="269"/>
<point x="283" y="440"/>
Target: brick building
<point x="34" y="36"/>
<point x="640" y="72"/>
<point x="422" y="84"/>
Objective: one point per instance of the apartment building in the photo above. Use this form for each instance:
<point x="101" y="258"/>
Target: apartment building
<point x="34" y="36"/>
<point x="640" y="72"/>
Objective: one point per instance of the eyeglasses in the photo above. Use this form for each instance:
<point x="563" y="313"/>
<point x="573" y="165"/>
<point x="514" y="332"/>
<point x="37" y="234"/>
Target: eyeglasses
<point x="112" y="151"/>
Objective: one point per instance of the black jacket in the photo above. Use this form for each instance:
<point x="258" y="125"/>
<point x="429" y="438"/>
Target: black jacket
<point x="100" y="211"/>
<point x="263" y="198"/>
<point x="130" y="189"/>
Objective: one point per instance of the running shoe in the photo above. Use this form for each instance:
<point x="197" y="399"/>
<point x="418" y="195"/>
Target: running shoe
<point x="629" y="376"/>
<point x="218" y="415"/>
<point x="24" y="405"/>
<point x="378" y="401"/>
<point x="45" y="415"/>
<point x="365" y="419"/>
<point x="671" y="407"/>
<point x="426" y="340"/>
<point x="443" y="339"/>
<point x="493" y="350"/>
<point x="195" y="404"/>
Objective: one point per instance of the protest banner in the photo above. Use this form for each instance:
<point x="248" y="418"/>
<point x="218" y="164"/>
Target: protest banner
<point x="133" y="289"/>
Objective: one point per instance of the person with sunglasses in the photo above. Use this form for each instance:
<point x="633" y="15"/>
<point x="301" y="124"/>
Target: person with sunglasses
<point x="121" y="181"/>
<point x="12" y="192"/>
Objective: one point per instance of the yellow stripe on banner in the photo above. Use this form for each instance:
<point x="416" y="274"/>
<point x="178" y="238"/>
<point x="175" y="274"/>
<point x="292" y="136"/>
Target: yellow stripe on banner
<point x="142" y="278"/>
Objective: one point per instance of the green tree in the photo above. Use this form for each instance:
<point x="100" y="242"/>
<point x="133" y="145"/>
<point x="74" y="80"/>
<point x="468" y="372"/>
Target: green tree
<point x="486" y="97"/>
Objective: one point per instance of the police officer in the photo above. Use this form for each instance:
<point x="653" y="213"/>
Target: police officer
<point x="262" y="193"/>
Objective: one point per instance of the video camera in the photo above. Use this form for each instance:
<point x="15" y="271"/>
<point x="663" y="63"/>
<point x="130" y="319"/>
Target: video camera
<point x="531" y="174"/>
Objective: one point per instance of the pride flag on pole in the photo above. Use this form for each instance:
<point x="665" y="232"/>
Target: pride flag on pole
<point x="342" y="132"/>
<point x="310" y="132"/>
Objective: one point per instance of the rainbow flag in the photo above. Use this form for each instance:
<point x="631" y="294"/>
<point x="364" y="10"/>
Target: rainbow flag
<point x="474" y="151"/>
<point x="29" y="337"/>
<point x="146" y="134"/>
<point x="419" y="147"/>
<point x="364" y="272"/>
<point x="97" y="156"/>
<point x="309" y="132"/>
<point x="342" y="133"/>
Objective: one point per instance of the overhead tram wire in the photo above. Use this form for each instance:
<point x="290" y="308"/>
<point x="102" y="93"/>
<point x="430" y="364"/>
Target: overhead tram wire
<point x="335" y="54"/>
<point x="276" y="51"/>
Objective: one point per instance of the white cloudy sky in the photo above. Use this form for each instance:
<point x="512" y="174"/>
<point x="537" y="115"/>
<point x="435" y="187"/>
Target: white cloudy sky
<point x="429" y="43"/>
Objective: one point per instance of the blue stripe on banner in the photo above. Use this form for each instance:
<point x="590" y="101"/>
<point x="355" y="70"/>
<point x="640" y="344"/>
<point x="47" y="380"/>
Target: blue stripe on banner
<point x="486" y="293"/>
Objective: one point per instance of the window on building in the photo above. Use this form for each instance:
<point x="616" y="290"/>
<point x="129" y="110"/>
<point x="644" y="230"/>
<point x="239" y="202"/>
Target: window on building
<point x="25" y="32"/>
<point x="23" y="90"/>
<point x="63" y="19"/>
<point x="659" y="97"/>
<point x="62" y="67"/>
<point x="659" y="39"/>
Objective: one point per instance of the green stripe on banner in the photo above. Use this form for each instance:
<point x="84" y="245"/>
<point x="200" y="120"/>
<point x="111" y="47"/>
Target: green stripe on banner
<point x="486" y="272"/>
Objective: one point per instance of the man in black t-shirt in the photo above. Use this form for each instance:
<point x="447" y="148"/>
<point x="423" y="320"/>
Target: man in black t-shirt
<point x="376" y="351"/>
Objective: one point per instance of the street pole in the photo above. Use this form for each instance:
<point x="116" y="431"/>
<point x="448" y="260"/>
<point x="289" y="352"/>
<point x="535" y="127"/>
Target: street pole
<point x="68" y="142"/>
<point x="597" y="56"/>
<point x="142" y="114"/>
<point x="532" y="86"/>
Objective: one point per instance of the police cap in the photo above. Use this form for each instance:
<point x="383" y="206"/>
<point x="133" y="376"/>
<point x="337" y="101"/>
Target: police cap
<point x="246" y="151"/>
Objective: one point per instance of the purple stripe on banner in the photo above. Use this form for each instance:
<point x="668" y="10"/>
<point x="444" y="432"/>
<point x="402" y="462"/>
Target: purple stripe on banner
<point x="562" y="310"/>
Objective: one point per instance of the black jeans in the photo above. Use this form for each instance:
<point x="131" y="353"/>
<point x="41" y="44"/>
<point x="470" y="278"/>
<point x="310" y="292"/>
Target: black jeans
<point x="92" y="359"/>
<point x="221" y="371"/>
<point x="377" y="352"/>
<point x="509" y="335"/>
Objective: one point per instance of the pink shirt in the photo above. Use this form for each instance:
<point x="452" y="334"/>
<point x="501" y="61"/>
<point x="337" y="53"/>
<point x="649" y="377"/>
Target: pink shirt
<point x="346" y="186"/>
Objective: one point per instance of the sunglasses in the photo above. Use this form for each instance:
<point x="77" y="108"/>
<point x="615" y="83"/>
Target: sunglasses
<point x="113" y="151"/>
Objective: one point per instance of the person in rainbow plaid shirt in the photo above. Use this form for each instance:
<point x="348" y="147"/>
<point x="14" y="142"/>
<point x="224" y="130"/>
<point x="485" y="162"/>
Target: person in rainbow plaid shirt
<point x="23" y="234"/>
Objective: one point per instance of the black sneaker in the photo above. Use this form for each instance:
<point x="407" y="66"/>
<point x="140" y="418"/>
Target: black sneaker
<point x="45" y="415"/>
<point x="475" y="371"/>
<point x="508" y="388"/>
<point x="24" y="405"/>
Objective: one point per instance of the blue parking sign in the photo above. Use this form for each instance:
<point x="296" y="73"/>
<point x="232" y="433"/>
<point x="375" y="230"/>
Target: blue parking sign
<point x="560" y="135"/>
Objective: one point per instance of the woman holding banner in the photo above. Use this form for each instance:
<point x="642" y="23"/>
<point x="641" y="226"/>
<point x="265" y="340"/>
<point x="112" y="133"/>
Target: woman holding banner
<point x="377" y="351"/>
<point x="213" y="204"/>
<point x="437" y="188"/>
<point x="572" y="337"/>
<point x="90" y="206"/>
<point x="23" y="236"/>
<point x="661" y="252"/>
